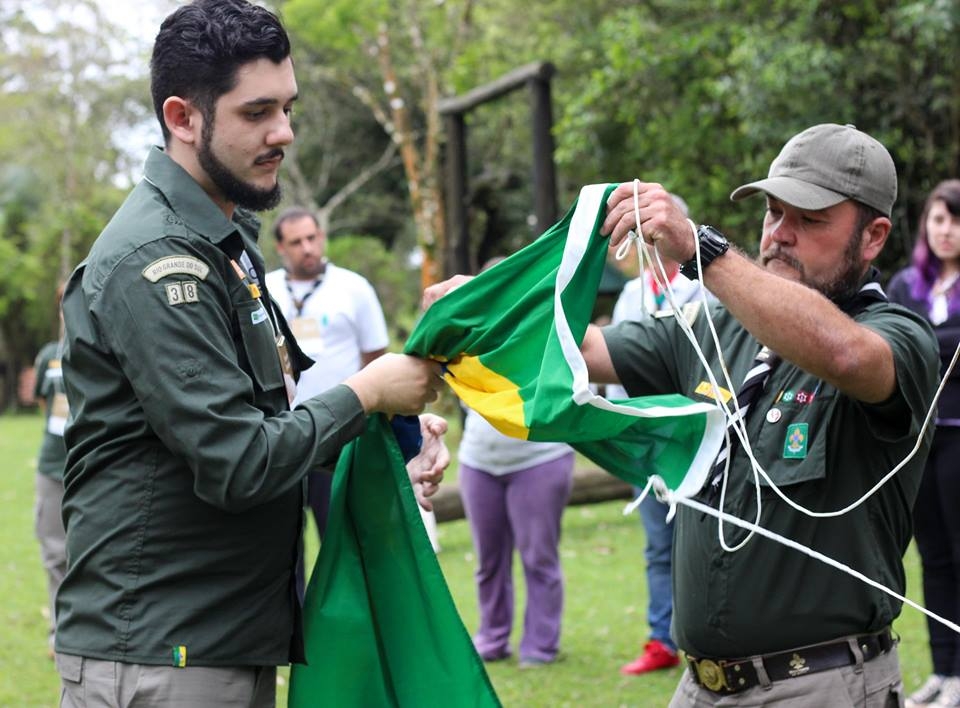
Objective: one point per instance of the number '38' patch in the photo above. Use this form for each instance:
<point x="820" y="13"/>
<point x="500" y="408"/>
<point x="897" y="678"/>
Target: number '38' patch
<point x="182" y="292"/>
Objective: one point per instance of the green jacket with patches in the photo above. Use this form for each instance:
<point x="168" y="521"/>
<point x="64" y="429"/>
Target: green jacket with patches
<point x="185" y="468"/>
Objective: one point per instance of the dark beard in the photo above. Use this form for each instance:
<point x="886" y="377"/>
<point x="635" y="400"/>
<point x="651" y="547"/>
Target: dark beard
<point x="232" y="187"/>
<point x="847" y="282"/>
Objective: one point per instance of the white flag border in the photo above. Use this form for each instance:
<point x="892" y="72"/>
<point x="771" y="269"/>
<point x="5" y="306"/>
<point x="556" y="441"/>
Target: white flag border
<point x="581" y="229"/>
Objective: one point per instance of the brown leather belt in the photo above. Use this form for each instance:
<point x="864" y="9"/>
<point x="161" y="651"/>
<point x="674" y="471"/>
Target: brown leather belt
<point x="725" y="676"/>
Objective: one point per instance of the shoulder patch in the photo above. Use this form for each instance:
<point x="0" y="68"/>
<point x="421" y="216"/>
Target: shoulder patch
<point x="176" y="265"/>
<point x="184" y="292"/>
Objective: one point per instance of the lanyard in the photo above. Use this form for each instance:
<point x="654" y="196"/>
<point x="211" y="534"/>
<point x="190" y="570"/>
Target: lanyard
<point x="659" y="295"/>
<point x="299" y="304"/>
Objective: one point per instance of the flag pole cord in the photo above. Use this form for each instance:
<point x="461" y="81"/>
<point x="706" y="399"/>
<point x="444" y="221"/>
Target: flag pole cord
<point x="723" y="517"/>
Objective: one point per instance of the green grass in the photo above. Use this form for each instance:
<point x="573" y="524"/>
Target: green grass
<point x="27" y="676"/>
<point x="604" y="619"/>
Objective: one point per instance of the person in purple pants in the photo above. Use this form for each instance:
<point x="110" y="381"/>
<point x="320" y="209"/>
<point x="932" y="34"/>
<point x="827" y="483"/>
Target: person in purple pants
<point x="514" y="493"/>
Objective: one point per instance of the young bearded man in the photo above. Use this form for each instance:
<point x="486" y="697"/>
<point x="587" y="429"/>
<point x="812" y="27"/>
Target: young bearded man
<point x="186" y="464"/>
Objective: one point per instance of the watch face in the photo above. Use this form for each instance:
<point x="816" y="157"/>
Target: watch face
<point x="709" y="233"/>
<point x="712" y="244"/>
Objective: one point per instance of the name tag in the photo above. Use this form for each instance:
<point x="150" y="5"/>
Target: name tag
<point x="54" y="370"/>
<point x="307" y="332"/>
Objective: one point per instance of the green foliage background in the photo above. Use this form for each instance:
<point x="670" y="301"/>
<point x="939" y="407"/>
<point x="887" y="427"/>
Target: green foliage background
<point x="696" y="94"/>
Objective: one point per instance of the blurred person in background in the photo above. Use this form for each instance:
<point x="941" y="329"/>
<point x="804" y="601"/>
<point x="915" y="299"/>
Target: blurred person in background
<point x="48" y="523"/>
<point x="929" y="287"/>
<point x="514" y="493"/>
<point x="337" y="320"/>
<point x="642" y="297"/>
<point x="335" y="316"/>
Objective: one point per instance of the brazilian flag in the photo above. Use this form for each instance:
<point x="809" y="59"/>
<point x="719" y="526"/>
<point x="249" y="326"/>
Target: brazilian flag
<point x="510" y="339"/>
<point x="381" y="628"/>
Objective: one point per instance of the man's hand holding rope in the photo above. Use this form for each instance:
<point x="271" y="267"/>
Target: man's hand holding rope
<point x="661" y="222"/>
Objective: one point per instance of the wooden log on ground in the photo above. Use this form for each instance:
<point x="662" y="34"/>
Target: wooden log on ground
<point x="590" y="485"/>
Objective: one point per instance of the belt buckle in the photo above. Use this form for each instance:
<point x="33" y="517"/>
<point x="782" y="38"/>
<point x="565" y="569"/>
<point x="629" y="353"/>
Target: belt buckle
<point x="711" y="675"/>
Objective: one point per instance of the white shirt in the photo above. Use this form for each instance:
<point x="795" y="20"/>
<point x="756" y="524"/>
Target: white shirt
<point x="485" y="448"/>
<point x="638" y="300"/>
<point x="340" y="319"/>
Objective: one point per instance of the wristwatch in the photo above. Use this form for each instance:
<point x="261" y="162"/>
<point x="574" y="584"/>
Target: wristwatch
<point x="713" y="244"/>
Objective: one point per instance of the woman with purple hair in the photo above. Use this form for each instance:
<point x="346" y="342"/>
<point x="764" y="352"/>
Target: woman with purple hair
<point x="930" y="287"/>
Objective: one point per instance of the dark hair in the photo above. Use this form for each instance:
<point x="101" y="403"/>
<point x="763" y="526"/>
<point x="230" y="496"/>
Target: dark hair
<point x="925" y="261"/>
<point x="291" y="214"/>
<point x="866" y="216"/>
<point x="200" y="46"/>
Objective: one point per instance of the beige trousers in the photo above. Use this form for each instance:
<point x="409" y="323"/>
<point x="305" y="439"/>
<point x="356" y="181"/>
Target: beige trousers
<point x="874" y="684"/>
<point x="48" y="526"/>
<point x="91" y="683"/>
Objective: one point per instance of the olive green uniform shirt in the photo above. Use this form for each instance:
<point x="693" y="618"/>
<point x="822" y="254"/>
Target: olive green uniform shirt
<point x="49" y="384"/>
<point x="824" y="450"/>
<point x="185" y="467"/>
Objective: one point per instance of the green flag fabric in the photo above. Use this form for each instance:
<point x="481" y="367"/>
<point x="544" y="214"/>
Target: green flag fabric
<point x="380" y="626"/>
<point x="510" y="339"/>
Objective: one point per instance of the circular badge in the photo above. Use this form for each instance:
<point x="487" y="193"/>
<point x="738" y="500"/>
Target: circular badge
<point x="773" y="415"/>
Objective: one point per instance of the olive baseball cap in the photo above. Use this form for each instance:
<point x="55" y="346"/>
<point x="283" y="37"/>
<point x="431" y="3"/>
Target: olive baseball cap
<point x="827" y="164"/>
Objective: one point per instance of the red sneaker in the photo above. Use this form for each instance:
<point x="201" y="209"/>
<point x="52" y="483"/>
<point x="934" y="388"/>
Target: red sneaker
<point x="656" y="655"/>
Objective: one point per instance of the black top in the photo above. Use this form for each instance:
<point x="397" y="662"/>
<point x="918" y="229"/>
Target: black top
<point x="948" y="337"/>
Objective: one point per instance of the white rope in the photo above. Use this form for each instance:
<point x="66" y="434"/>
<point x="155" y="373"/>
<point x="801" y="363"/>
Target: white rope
<point x="735" y="420"/>
<point x="873" y="490"/>
<point x="632" y="506"/>
<point x="693" y="504"/>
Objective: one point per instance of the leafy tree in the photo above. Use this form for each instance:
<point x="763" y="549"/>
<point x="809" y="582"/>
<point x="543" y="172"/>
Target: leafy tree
<point x="391" y="56"/>
<point x="342" y="165"/>
<point x="397" y="59"/>
<point x="700" y="95"/>
<point x="66" y="97"/>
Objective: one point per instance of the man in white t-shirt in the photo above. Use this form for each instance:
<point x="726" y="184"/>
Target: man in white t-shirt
<point x="334" y="314"/>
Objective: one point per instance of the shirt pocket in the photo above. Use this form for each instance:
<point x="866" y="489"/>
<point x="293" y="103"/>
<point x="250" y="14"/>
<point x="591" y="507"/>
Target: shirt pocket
<point x="793" y="449"/>
<point x="259" y="345"/>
